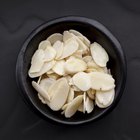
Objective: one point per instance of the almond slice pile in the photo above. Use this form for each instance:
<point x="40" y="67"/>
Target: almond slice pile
<point x="72" y="74"/>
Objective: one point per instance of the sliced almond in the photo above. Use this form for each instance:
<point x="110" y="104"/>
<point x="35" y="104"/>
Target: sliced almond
<point x="74" y="65"/>
<point x="65" y="106"/>
<point x="41" y="91"/>
<point x="46" y="83"/>
<point x="71" y="82"/>
<point x="104" y="98"/>
<point x="66" y="36"/>
<point x="91" y="94"/>
<point x="99" y="54"/>
<point x="71" y="95"/>
<point x="44" y="44"/>
<point x="101" y="81"/>
<point x="84" y="102"/>
<point x="78" y="54"/>
<point x="93" y="65"/>
<point x="59" y="67"/>
<point x="82" y="81"/>
<point x="37" y="61"/>
<point x="89" y="105"/>
<point x="80" y="109"/>
<point x="39" y="79"/>
<point x="70" y="47"/>
<point x="46" y="67"/>
<point x="87" y="58"/>
<point x="50" y="54"/>
<point x="58" y="93"/>
<point x="43" y="100"/>
<point x="73" y="106"/>
<point x="82" y="46"/>
<point x="55" y="37"/>
<point x="86" y="41"/>
<point x="58" y="46"/>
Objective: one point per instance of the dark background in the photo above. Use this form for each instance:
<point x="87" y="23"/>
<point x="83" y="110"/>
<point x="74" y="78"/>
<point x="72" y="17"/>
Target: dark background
<point x="18" y="18"/>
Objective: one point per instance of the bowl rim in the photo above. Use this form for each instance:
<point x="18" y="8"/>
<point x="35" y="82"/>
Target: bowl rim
<point x="20" y="80"/>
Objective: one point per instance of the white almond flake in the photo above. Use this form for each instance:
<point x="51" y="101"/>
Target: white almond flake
<point x="66" y="36"/>
<point x="65" y="106"/>
<point x="104" y="98"/>
<point x="74" y="65"/>
<point x="46" y="67"/>
<point x="39" y="79"/>
<point x="71" y="95"/>
<point x="89" y="105"/>
<point x="73" y="106"/>
<point x="46" y="83"/>
<point x="71" y="82"/>
<point x="99" y="54"/>
<point x="50" y="54"/>
<point x="82" y="81"/>
<point x="58" y="46"/>
<point x="81" y="107"/>
<point x="84" y="39"/>
<point x="41" y="91"/>
<point x="78" y="54"/>
<point x="93" y="65"/>
<point x="44" y="44"/>
<point x="101" y="81"/>
<point x="70" y="47"/>
<point x="58" y="93"/>
<point x="59" y="67"/>
<point x="43" y="100"/>
<point x="87" y="58"/>
<point x="37" y="61"/>
<point x="91" y="94"/>
<point x="82" y="46"/>
<point x="84" y="102"/>
<point x="55" y="37"/>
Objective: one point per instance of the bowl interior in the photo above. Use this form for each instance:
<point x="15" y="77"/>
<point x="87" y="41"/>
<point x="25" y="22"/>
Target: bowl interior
<point x="93" y="34"/>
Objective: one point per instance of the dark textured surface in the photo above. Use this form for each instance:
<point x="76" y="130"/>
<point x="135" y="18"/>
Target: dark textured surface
<point x="18" y="18"/>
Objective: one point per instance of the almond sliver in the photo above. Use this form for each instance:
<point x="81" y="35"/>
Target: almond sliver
<point x="104" y="98"/>
<point x="73" y="106"/>
<point x="46" y="67"/>
<point x="99" y="54"/>
<point x="37" y="61"/>
<point x="55" y="37"/>
<point x="44" y="44"/>
<point x="59" y="67"/>
<point x="74" y="65"/>
<point x="39" y="89"/>
<point x="101" y="81"/>
<point x="50" y="54"/>
<point x="70" y="47"/>
<point x="60" y="94"/>
<point x="82" y="81"/>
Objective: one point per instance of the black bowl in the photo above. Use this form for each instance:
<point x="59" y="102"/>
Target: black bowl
<point x="94" y="31"/>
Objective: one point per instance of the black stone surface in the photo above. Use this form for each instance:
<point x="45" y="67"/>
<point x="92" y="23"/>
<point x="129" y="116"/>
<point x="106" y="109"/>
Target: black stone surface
<point x="18" y="18"/>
